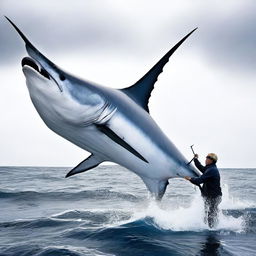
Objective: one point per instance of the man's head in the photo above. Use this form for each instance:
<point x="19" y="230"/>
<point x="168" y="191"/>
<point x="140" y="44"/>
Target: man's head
<point x="211" y="158"/>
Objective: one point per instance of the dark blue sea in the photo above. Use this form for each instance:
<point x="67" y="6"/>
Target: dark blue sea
<point x="107" y="211"/>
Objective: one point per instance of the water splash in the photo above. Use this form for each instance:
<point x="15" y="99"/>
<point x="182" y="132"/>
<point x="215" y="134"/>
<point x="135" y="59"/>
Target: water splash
<point x="229" y="202"/>
<point x="191" y="218"/>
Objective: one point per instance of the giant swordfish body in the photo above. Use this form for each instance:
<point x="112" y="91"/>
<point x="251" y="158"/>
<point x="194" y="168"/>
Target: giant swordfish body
<point x="112" y="124"/>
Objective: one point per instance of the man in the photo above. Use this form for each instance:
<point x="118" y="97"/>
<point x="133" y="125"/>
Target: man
<point x="211" y="190"/>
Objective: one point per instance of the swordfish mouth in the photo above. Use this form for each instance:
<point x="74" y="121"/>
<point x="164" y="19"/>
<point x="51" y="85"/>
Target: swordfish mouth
<point x="40" y="70"/>
<point x="27" y="61"/>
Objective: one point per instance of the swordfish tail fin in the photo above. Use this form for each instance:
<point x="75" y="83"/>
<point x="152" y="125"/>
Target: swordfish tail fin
<point x="140" y="92"/>
<point x="156" y="188"/>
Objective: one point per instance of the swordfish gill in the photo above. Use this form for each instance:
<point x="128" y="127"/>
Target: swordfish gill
<point x="112" y="124"/>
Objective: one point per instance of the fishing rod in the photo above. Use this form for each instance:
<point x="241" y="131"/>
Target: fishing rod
<point x="192" y="149"/>
<point x="190" y="163"/>
<point x="193" y="153"/>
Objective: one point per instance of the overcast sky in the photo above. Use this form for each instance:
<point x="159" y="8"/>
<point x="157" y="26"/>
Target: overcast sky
<point x="205" y="96"/>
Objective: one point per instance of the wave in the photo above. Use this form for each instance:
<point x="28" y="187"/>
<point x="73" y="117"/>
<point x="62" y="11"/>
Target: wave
<point x="146" y="238"/>
<point x="145" y="235"/>
<point x="167" y="218"/>
<point x="151" y="230"/>
<point x="75" y="196"/>
<point x="105" y="222"/>
<point x="35" y="223"/>
<point x="235" y="215"/>
<point x="36" y="250"/>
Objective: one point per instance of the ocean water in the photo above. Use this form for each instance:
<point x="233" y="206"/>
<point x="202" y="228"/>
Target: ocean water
<point x="107" y="211"/>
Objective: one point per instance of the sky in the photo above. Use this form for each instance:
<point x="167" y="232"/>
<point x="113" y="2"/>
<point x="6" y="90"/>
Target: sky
<point x="205" y="96"/>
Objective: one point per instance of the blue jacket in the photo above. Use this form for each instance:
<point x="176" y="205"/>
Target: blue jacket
<point x="210" y="179"/>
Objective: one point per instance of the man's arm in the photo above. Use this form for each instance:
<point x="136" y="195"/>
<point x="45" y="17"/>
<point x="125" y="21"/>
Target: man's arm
<point x="203" y="178"/>
<point x="199" y="166"/>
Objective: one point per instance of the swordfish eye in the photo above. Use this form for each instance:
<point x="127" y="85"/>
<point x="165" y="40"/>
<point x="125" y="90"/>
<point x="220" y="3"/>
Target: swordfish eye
<point x="62" y="77"/>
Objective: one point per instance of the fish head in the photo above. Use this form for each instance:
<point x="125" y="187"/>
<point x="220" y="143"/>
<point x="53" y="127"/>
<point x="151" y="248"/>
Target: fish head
<point x="56" y="93"/>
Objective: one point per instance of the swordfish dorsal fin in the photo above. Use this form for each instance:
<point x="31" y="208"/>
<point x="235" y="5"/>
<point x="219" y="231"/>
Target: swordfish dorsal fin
<point x="140" y="92"/>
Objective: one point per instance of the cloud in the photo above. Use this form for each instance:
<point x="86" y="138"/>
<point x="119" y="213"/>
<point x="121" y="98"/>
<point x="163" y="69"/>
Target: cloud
<point x="226" y="35"/>
<point x="55" y="28"/>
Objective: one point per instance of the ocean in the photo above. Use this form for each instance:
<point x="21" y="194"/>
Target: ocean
<point x="108" y="211"/>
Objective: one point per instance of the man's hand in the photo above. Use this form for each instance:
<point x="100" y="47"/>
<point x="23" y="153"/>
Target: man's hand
<point x="187" y="178"/>
<point x="195" y="156"/>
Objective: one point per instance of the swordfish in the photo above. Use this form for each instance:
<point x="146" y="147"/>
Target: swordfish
<point x="112" y="124"/>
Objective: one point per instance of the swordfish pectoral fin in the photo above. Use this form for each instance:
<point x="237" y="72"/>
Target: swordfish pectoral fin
<point x="113" y="136"/>
<point x="89" y="163"/>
